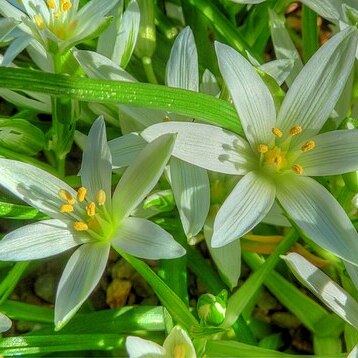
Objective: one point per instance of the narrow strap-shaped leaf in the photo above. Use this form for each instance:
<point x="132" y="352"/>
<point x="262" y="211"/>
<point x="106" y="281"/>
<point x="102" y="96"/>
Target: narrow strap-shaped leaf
<point x="198" y="105"/>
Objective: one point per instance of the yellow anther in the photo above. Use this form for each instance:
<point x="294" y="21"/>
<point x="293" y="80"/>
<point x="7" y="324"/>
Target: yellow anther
<point x="295" y="130"/>
<point x="308" y="146"/>
<point x="91" y="209"/>
<point x="297" y="169"/>
<point x="65" y="195"/>
<point x="66" y="208"/>
<point x="65" y="5"/>
<point x="277" y="132"/>
<point x="101" y="197"/>
<point x="166" y="119"/>
<point x="263" y="148"/>
<point x="179" y="351"/>
<point x="39" y="22"/>
<point x="80" y="226"/>
<point x="81" y="194"/>
<point x="57" y="14"/>
<point x="51" y="4"/>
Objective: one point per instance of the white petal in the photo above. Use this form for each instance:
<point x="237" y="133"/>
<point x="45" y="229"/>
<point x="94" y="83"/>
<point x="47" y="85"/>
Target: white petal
<point x="36" y="241"/>
<point x="284" y="46"/>
<point x="140" y="348"/>
<point x="226" y="258"/>
<point x="334" y="296"/>
<point x="127" y="35"/>
<point x="279" y="70"/>
<point x="353" y="272"/>
<point x="96" y="168"/>
<point x="81" y="275"/>
<point x="243" y="209"/>
<point x="5" y="323"/>
<point x="354" y="352"/>
<point x="319" y="215"/>
<point x="315" y="91"/>
<point x="251" y="97"/>
<point x="329" y="9"/>
<point x="125" y="149"/>
<point x="142" y="175"/>
<point x="192" y="194"/>
<point x="93" y="11"/>
<point x="209" y="84"/>
<point x="142" y="238"/>
<point x="182" y="68"/>
<point x="179" y="338"/>
<point x="207" y="146"/>
<point x="276" y="217"/>
<point x="99" y="66"/>
<point x="34" y="186"/>
<point x="15" y="48"/>
<point x="335" y="153"/>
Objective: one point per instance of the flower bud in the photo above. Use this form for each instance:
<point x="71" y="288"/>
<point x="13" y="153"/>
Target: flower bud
<point x="212" y="309"/>
<point x="146" y="40"/>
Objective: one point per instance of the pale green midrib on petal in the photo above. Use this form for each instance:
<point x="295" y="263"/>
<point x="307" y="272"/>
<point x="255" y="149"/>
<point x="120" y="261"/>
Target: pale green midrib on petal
<point x="184" y="102"/>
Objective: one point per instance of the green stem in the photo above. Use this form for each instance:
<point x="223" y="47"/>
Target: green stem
<point x="10" y="281"/>
<point x="238" y="301"/>
<point x="309" y="32"/>
<point x="169" y="299"/>
<point x="149" y="71"/>
<point x="223" y="26"/>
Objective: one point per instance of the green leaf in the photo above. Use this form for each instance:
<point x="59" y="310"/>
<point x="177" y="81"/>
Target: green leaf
<point x="188" y="103"/>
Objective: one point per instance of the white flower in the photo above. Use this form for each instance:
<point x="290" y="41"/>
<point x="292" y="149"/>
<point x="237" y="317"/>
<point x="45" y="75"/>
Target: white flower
<point x="5" y="323"/>
<point x="281" y="151"/>
<point x="331" y="294"/>
<point x="176" y="345"/>
<point x="89" y="218"/>
<point x="58" y="25"/>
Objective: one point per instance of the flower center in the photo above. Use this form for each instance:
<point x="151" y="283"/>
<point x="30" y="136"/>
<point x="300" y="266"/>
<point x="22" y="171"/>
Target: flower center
<point x="88" y="216"/>
<point x="278" y="157"/>
<point x="57" y="24"/>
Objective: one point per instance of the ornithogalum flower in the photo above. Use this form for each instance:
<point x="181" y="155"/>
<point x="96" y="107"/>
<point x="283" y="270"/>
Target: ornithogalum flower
<point x="176" y="345"/>
<point x="280" y="152"/>
<point x="58" y="24"/>
<point x="5" y="323"/>
<point x="89" y="218"/>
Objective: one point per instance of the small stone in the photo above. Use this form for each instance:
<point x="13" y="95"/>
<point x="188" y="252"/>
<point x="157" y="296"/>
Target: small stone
<point x="45" y="286"/>
<point x="118" y="292"/>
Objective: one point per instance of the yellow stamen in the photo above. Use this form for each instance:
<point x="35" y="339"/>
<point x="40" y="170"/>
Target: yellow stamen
<point x="166" y="119"/>
<point x="101" y="197"/>
<point x="297" y="169"/>
<point x="263" y="148"/>
<point x="57" y="14"/>
<point x="277" y="132"/>
<point x="80" y="226"/>
<point x="39" y="22"/>
<point x="66" y="208"/>
<point x="81" y="194"/>
<point x="179" y="351"/>
<point x="65" y="5"/>
<point x="295" y="130"/>
<point x="308" y="146"/>
<point x="91" y="209"/>
<point x="51" y="4"/>
<point x="65" y="195"/>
